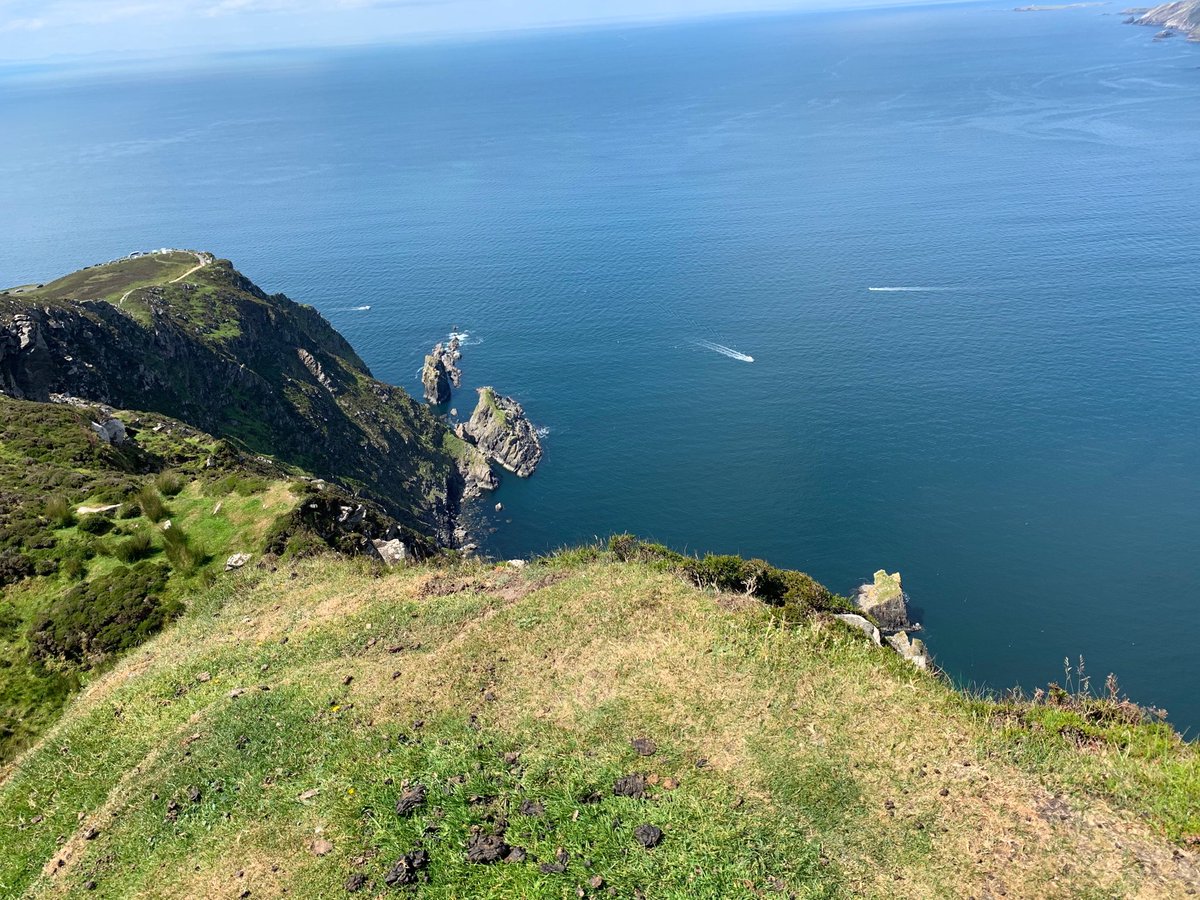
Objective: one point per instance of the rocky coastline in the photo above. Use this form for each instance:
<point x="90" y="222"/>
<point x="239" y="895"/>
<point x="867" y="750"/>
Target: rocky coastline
<point x="1174" y="18"/>
<point x="885" y="618"/>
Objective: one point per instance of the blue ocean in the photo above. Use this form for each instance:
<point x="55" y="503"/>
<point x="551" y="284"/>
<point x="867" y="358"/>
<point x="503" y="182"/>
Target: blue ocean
<point x="958" y="242"/>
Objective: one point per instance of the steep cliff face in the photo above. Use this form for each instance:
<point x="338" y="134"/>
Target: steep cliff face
<point x="1184" y="16"/>
<point x="499" y="428"/>
<point x="217" y="352"/>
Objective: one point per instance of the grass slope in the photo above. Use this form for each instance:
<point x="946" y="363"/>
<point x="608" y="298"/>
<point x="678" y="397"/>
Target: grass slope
<point x="261" y="744"/>
<point x="52" y="465"/>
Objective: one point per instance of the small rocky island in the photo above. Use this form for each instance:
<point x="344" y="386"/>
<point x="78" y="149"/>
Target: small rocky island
<point x="498" y="427"/>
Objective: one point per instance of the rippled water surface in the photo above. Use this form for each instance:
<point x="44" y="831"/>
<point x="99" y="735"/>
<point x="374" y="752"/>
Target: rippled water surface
<point x="619" y="218"/>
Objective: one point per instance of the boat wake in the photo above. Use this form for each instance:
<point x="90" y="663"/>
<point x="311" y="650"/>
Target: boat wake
<point x="724" y="351"/>
<point x="911" y="290"/>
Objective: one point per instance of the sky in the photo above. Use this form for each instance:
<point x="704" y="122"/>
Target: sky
<point x="34" y="31"/>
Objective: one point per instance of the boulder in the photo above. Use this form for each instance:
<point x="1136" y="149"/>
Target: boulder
<point x="863" y="625"/>
<point x="236" y="561"/>
<point x="392" y="552"/>
<point x="884" y="600"/>
<point x="911" y="649"/>
<point x="111" y="431"/>
<point x="498" y="427"/>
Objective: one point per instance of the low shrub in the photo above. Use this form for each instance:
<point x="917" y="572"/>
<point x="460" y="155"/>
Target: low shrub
<point x="95" y="524"/>
<point x="106" y="615"/>
<point x="14" y="566"/>
<point x="794" y="593"/>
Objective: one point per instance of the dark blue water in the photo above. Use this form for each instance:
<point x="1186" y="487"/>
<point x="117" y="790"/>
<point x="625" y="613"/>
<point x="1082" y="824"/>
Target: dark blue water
<point x="1022" y="444"/>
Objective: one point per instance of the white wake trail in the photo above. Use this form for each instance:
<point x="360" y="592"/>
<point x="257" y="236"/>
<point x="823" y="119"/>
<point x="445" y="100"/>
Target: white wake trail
<point x="725" y="351"/>
<point x="911" y="290"/>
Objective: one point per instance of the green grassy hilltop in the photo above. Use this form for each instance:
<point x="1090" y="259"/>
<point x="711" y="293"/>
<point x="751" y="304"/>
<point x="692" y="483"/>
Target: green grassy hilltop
<point x="264" y="742"/>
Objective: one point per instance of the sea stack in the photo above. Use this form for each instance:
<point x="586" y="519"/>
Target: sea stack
<point x="440" y="371"/>
<point x="884" y="600"/>
<point x="498" y="427"/>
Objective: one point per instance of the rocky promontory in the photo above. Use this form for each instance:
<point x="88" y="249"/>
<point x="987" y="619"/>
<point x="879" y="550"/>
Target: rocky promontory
<point x="1183" y="16"/>
<point x="884" y="600"/>
<point x="498" y="427"/>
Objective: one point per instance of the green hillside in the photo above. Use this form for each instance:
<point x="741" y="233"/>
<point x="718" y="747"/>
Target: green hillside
<point x="265" y="742"/>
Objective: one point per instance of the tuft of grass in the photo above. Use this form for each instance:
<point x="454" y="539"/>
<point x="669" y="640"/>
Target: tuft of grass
<point x="59" y="511"/>
<point x="135" y="547"/>
<point x="151" y="504"/>
<point x="184" y="555"/>
<point x="169" y="484"/>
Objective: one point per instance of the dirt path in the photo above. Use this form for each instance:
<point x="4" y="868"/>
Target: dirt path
<point x="201" y="262"/>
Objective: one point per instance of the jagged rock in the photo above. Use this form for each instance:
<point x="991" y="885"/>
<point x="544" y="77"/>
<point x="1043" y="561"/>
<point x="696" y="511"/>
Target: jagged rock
<point x="316" y="370"/>
<point x="434" y="379"/>
<point x="440" y="371"/>
<point x="884" y="600"/>
<point x="392" y="552"/>
<point x="913" y="650"/>
<point x="498" y="427"/>
<point x="111" y="431"/>
<point x="859" y="622"/>
<point x="236" y="561"/>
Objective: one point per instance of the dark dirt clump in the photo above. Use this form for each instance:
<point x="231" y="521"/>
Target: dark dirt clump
<point x="644" y="746"/>
<point x="486" y="848"/>
<point x="410" y="799"/>
<point x="648" y="835"/>
<point x="406" y="869"/>
<point x="633" y="785"/>
<point x="531" y="808"/>
<point x="561" y="859"/>
<point x="355" y="882"/>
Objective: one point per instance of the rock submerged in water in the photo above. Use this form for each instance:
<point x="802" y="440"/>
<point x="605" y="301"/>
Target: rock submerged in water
<point x="498" y="427"/>
<point x="885" y="601"/>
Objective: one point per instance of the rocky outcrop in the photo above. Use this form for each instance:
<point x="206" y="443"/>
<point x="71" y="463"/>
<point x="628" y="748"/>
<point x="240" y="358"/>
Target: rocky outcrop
<point x="498" y="427"/>
<point x="393" y="552"/>
<point x="111" y="431"/>
<point x="1183" y="16"/>
<point x="225" y="357"/>
<point x="884" y="601"/>
<point x="911" y="649"/>
<point x="441" y="371"/>
<point x="862" y="625"/>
